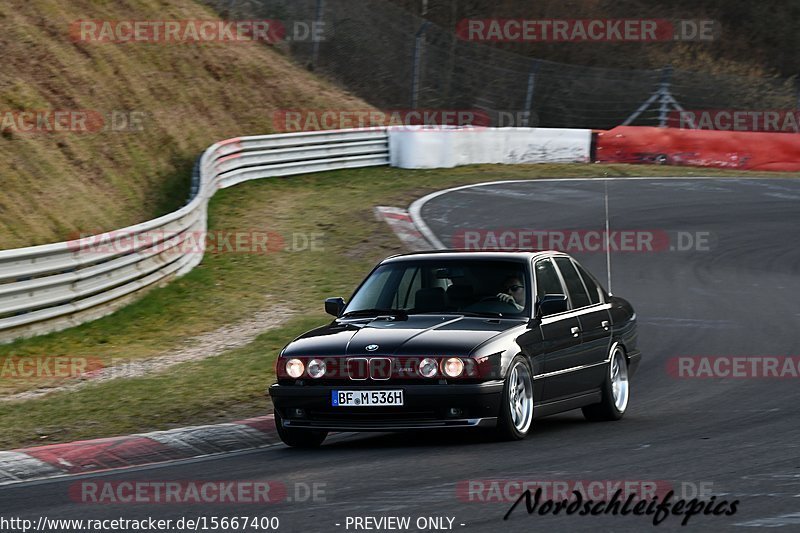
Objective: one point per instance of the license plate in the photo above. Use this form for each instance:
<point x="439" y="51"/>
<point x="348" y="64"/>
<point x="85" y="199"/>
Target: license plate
<point x="366" y="398"/>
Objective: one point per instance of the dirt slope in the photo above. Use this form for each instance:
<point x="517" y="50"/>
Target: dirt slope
<point x="184" y="97"/>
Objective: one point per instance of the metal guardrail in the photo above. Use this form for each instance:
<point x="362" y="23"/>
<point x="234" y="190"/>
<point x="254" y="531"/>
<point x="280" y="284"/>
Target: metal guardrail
<point x="56" y="286"/>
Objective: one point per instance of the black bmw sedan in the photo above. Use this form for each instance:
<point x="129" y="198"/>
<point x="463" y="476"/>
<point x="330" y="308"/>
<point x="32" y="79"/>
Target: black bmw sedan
<point x="460" y="339"/>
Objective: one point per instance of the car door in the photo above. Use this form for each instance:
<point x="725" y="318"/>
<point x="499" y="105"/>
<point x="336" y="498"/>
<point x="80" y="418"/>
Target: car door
<point x="583" y="370"/>
<point x="556" y="339"/>
<point x="597" y="325"/>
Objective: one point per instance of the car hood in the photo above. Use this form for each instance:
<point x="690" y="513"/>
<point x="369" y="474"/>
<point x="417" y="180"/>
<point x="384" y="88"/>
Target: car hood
<point x="419" y="335"/>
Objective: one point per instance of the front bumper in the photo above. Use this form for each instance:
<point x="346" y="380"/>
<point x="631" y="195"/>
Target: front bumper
<point x="424" y="407"/>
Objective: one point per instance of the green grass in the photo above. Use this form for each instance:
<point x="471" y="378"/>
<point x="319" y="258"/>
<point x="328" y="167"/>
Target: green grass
<point x="213" y="390"/>
<point x="226" y="288"/>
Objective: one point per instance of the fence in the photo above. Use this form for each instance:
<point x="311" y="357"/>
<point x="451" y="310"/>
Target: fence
<point x="55" y="286"/>
<point x="396" y="60"/>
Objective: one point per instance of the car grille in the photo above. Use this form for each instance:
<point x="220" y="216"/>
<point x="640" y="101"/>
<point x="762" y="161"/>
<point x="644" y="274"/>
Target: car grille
<point x="375" y="368"/>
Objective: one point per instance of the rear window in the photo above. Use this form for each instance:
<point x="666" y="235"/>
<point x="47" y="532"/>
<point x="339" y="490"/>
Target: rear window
<point x="592" y="287"/>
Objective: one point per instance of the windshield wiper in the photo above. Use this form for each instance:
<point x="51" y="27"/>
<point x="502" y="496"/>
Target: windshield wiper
<point x="491" y="314"/>
<point x="483" y="313"/>
<point x="400" y="313"/>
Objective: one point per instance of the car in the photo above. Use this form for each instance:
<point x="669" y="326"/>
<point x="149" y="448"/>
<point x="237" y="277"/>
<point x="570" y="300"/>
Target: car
<point x="430" y="340"/>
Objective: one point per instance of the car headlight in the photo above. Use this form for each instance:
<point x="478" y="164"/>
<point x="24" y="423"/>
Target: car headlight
<point x="316" y="368"/>
<point x="453" y="367"/>
<point x="294" y="367"/>
<point x="427" y="367"/>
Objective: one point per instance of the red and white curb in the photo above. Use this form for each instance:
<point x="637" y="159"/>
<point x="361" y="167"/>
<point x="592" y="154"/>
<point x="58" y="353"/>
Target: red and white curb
<point x="95" y="455"/>
<point x="402" y="224"/>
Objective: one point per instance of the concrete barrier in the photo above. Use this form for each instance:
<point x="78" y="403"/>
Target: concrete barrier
<point x="430" y="147"/>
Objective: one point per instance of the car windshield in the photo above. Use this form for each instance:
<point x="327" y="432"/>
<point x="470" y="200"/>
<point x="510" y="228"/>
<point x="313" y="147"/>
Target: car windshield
<point x="470" y="287"/>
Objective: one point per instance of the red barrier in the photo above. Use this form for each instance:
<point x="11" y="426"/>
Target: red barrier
<point x="700" y="148"/>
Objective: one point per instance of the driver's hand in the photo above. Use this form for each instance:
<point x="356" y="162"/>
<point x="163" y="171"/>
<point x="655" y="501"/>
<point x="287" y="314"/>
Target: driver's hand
<point x="506" y="298"/>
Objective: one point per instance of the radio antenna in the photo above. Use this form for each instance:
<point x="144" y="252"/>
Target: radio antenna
<point x="608" y="238"/>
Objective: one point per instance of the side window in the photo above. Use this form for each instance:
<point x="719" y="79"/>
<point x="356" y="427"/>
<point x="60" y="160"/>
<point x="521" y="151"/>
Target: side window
<point x="577" y="293"/>
<point x="547" y="281"/>
<point x="594" y="290"/>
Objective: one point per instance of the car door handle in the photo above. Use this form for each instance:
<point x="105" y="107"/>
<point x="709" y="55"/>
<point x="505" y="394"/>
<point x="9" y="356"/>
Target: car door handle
<point x="576" y="331"/>
<point x="605" y="324"/>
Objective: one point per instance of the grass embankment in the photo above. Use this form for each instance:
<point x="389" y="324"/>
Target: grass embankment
<point x="184" y="97"/>
<point x="229" y="287"/>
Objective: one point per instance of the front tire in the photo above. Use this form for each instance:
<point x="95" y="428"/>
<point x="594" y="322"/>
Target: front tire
<point x="616" y="390"/>
<point x="299" y="438"/>
<point x="516" y="407"/>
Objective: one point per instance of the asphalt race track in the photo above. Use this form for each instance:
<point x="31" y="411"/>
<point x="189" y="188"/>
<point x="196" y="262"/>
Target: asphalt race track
<point x="734" y="294"/>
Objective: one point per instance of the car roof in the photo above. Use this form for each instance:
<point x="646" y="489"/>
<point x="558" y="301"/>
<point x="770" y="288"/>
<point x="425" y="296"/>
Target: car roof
<point x="471" y="254"/>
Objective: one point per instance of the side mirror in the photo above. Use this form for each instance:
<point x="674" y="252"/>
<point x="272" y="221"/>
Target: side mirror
<point x="334" y="306"/>
<point x="551" y="304"/>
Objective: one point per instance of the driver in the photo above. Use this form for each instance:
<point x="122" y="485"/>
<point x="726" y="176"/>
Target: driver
<point x="513" y="293"/>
